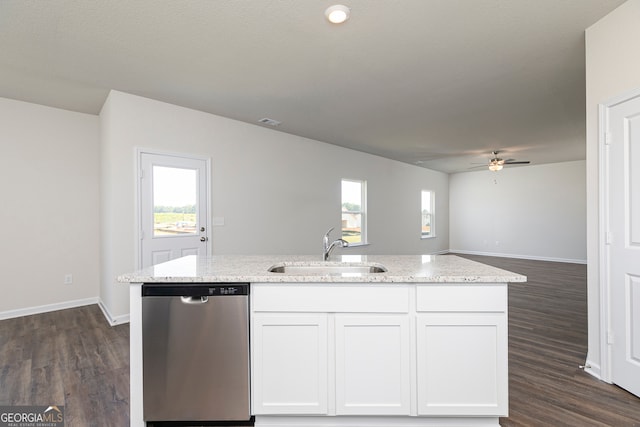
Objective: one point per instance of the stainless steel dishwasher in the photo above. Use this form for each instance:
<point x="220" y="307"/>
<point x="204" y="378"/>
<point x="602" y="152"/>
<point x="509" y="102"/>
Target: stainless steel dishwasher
<point x="195" y="343"/>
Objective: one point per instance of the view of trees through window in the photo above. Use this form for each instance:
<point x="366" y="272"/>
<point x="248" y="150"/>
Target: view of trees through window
<point x="168" y="220"/>
<point x="174" y="201"/>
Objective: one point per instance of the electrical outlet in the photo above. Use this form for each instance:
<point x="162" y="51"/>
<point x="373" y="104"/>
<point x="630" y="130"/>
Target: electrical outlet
<point x="68" y="279"/>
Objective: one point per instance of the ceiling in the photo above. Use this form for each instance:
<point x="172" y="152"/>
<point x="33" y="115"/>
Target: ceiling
<point x="438" y="83"/>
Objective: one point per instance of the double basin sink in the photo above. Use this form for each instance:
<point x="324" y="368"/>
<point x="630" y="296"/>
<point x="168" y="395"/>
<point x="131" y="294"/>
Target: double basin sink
<point x="327" y="268"/>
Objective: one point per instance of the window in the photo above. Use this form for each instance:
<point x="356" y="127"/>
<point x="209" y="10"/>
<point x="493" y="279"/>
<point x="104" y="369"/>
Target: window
<point x="428" y="223"/>
<point x="354" y="224"/>
<point x="174" y="201"/>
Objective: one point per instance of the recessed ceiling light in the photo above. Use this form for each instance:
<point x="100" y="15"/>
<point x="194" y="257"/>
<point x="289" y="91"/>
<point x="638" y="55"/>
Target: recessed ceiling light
<point x="337" y="13"/>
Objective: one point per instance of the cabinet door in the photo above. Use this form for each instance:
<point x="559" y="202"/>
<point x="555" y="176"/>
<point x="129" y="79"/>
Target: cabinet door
<point x="372" y="364"/>
<point x="289" y="357"/>
<point x="462" y="364"/>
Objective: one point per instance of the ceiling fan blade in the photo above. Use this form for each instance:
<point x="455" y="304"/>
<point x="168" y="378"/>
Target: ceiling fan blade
<point x="478" y="167"/>
<point x="517" y="163"/>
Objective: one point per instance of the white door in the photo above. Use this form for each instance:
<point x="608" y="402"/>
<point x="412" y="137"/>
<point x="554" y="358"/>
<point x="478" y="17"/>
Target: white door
<point x="173" y="207"/>
<point x="624" y="242"/>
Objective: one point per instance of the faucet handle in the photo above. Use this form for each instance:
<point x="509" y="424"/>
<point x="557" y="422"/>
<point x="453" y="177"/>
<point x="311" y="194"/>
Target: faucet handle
<point x="325" y="239"/>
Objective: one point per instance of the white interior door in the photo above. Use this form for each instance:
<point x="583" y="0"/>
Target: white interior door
<point x="173" y="207"/>
<point x="624" y="242"/>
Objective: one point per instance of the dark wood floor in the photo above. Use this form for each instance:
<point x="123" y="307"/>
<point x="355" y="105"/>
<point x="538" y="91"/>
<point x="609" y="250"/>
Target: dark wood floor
<point x="547" y="343"/>
<point x="73" y="357"/>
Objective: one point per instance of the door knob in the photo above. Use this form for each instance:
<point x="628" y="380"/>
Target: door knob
<point x="203" y="239"/>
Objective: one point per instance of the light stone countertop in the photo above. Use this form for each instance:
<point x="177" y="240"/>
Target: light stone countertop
<point x="254" y="269"/>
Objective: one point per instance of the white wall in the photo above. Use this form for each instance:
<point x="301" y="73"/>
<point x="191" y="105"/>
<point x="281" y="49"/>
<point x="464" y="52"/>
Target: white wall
<point x="535" y="212"/>
<point x="49" y="214"/>
<point x="612" y="69"/>
<point x="278" y="192"/>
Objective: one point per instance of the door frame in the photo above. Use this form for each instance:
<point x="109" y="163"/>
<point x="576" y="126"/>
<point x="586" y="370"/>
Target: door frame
<point x="139" y="151"/>
<point x="604" y="254"/>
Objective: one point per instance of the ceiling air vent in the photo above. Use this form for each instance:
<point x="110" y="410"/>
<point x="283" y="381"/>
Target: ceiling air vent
<point x="268" y="121"/>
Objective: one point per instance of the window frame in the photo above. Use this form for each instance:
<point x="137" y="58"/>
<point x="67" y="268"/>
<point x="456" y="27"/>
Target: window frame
<point x="432" y="214"/>
<point x="362" y="212"/>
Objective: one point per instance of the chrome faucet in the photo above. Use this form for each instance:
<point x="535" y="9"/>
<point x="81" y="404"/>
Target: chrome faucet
<point x="327" y="248"/>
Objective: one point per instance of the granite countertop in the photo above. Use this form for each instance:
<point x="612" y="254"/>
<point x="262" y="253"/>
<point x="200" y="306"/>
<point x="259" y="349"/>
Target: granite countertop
<point x="254" y="269"/>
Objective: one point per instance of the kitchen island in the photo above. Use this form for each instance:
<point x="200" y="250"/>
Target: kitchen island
<point x="423" y="343"/>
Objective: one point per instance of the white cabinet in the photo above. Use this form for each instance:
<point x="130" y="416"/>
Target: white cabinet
<point x="289" y="363"/>
<point x="399" y="350"/>
<point x="462" y="351"/>
<point x="349" y="354"/>
<point x="372" y="364"/>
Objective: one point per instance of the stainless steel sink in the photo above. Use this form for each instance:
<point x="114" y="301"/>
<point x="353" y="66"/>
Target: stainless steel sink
<point x="327" y="268"/>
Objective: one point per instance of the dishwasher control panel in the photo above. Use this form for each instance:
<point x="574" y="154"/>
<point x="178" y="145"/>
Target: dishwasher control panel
<point x="204" y="290"/>
<point x="228" y="290"/>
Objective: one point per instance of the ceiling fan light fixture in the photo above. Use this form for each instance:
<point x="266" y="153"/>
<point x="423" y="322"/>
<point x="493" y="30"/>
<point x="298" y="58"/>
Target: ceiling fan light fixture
<point x="497" y="164"/>
<point x="337" y="14"/>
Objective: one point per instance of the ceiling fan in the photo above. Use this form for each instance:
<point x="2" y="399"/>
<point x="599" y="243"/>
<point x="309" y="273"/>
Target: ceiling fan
<point x="496" y="163"/>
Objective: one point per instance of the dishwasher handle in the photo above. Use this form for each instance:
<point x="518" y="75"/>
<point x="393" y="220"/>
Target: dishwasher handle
<point x="195" y="300"/>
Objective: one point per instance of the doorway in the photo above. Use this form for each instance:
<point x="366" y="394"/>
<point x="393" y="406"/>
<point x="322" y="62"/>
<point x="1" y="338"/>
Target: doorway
<point x="620" y="247"/>
<point x="173" y="206"/>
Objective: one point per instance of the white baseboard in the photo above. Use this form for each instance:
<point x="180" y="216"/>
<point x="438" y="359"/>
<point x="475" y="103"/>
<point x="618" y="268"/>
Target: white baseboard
<point x="113" y="320"/>
<point x="531" y="257"/>
<point x="593" y="369"/>
<point x="446" y="251"/>
<point x="28" y="311"/>
<point x="373" y="421"/>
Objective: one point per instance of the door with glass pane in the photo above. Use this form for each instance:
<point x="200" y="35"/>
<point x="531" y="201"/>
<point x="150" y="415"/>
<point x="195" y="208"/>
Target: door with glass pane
<point x="173" y="207"/>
